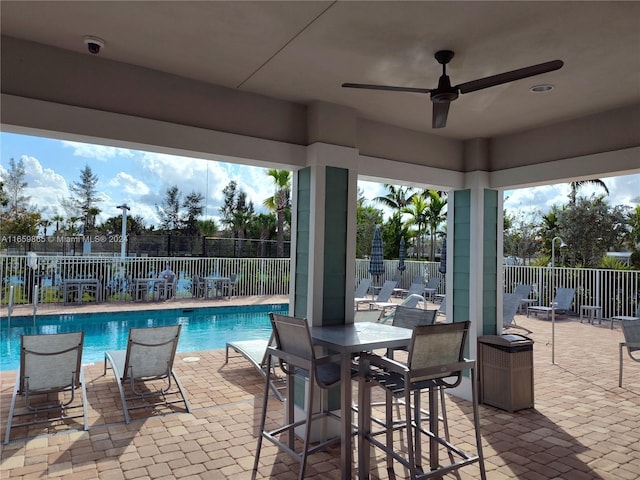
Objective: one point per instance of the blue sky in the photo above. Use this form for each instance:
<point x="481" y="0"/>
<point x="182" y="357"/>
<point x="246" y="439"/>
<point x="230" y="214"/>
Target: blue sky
<point x="140" y="179"/>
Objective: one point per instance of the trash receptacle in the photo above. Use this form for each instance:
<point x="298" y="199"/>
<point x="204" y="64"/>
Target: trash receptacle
<point x="506" y="371"/>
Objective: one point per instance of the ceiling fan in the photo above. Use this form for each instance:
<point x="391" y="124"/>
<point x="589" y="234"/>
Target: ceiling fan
<point x="444" y="94"/>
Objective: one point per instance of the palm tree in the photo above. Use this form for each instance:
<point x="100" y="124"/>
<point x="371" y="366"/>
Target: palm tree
<point x="417" y="209"/>
<point x="280" y="202"/>
<point x="575" y="186"/>
<point x="397" y="198"/>
<point x="435" y="216"/>
<point x="58" y="219"/>
<point x="45" y="223"/>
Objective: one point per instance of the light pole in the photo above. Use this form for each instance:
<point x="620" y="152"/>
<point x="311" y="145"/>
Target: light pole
<point x="553" y="290"/>
<point x="123" y="244"/>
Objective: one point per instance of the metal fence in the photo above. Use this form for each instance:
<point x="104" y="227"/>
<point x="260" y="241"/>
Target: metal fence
<point x="148" y="245"/>
<point x="617" y="292"/>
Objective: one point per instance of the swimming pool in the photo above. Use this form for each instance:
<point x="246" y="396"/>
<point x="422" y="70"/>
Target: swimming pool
<point x="202" y="329"/>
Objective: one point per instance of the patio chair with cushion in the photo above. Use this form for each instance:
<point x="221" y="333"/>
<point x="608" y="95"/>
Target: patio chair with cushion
<point x="145" y="369"/>
<point x="296" y="355"/>
<point x="256" y="352"/>
<point x="49" y="364"/>
<point x="510" y="304"/>
<point x="561" y="303"/>
<point x="631" y="331"/>
<point x="435" y="361"/>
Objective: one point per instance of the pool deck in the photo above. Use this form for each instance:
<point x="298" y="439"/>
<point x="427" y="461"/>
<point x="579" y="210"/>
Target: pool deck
<point x="583" y="425"/>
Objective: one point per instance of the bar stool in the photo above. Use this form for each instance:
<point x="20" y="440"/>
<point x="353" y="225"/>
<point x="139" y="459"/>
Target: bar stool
<point x="435" y="362"/>
<point x="296" y="355"/>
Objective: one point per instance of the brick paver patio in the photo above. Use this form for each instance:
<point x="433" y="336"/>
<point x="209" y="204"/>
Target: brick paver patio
<point x="583" y="425"/>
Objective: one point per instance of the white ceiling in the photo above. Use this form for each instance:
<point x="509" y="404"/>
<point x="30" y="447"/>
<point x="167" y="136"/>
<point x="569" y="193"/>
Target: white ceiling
<point x="303" y="51"/>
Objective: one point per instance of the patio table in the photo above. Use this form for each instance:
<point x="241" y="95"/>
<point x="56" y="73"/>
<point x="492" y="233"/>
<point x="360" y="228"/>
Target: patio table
<point x="348" y="340"/>
<point x="80" y="285"/>
<point x="214" y="283"/>
<point x="144" y="285"/>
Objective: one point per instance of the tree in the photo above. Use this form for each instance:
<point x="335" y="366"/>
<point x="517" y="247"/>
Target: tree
<point x="45" y="223"/>
<point x="113" y="225"/>
<point x="194" y="208"/>
<point x="169" y="211"/>
<point x="367" y="217"/>
<point x="235" y="210"/>
<point x="58" y="219"/>
<point x="85" y="197"/>
<point x="435" y="216"/>
<point x="208" y="228"/>
<point x="521" y="236"/>
<point x="397" y="197"/>
<point x="588" y="229"/>
<point x="392" y="231"/>
<point x="575" y="186"/>
<point x="17" y="201"/>
<point x="4" y="199"/>
<point x="280" y="202"/>
<point x="417" y="209"/>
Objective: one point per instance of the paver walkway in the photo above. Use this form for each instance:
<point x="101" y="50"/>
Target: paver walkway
<point x="583" y="425"/>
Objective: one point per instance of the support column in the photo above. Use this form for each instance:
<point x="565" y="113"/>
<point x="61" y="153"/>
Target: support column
<point x="324" y="221"/>
<point x="475" y="279"/>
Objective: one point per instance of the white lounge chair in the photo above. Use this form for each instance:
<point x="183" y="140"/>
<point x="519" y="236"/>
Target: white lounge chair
<point x="147" y="360"/>
<point x="49" y="364"/>
<point x="561" y="303"/>
<point x="256" y="352"/>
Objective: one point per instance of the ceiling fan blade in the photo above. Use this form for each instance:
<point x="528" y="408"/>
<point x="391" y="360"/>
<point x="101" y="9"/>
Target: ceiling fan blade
<point x="506" y="77"/>
<point x="386" y="87"/>
<point x="440" y="113"/>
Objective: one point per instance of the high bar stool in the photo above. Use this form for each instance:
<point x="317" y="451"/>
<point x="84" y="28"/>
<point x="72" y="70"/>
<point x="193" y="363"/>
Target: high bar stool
<point x="296" y="355"/>
<point x="435" y="362"/>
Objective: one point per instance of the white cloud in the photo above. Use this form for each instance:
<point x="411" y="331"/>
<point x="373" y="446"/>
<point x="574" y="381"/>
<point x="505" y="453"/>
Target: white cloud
<point x="45" y="186"/>
<point x="128" y="184"/>
<point x="98" y="152"/>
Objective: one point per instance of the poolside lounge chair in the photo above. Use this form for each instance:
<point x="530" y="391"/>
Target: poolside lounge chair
<point x="620" y="318"/>
<point x="382" y="299"/>
<point x="256" y="352"/>
<point x="631" y="331"/>
<point x="510" y="305"/>
<point x="411" y="301"/>
<point x="361" y="292"/>
<point x="147" y="361"/>
<point x="524" y="290"/>
<point x="416" y="287"/>
<point x="562" y="303"/>
<point x="431" y="287"/>
<point x="49" y="363"/>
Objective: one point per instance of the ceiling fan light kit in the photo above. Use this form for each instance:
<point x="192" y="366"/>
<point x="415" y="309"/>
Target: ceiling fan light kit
<point x="444" y="94"/>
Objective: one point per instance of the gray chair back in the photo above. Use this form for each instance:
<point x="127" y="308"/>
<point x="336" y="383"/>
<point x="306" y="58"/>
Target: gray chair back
<point x="407" y="317"/>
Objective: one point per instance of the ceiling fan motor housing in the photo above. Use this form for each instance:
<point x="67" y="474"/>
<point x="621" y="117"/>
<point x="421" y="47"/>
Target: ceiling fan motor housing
<point x="445" y="92"/>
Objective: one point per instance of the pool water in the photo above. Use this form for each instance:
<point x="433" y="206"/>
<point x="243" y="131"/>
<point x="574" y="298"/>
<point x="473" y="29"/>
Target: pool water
<point x="202" y="329"/>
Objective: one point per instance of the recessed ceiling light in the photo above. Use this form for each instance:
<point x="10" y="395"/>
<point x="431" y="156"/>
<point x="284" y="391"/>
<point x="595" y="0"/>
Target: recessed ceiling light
<point x="545" y="87"/>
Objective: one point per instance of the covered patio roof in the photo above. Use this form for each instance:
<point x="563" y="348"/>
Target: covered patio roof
<point x="197" y="77"/>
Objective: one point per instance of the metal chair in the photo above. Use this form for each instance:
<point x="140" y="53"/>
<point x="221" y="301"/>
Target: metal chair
<point x="50" y="364"/>
<point x="296" y="355"/>
<point x="435" y="361"/>
<point x="631" y="331"/>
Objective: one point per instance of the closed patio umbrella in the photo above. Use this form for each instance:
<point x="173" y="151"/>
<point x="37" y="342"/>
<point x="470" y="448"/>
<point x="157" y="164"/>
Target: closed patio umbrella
<point x="376" y="262"/>
<point x="401" y="266"/>
<point x="443" y="257"/>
